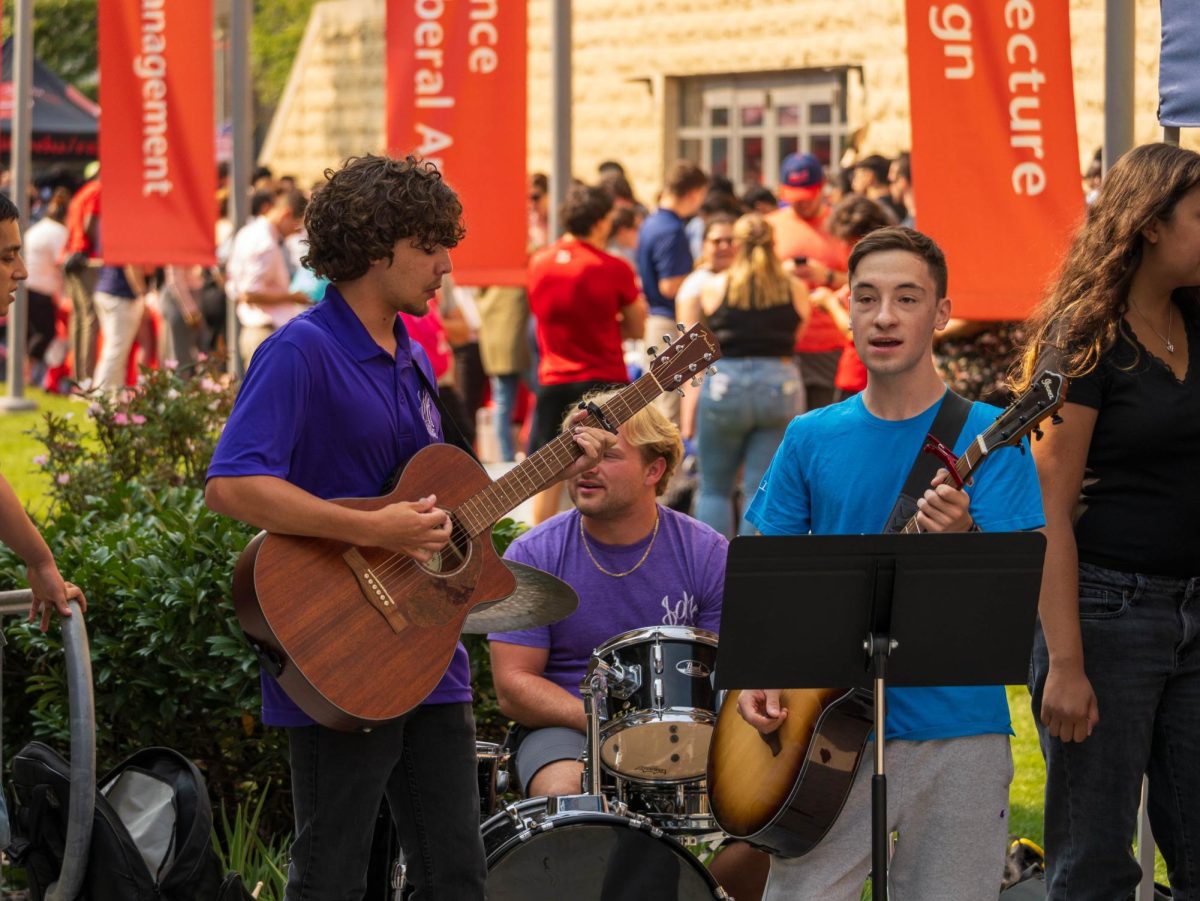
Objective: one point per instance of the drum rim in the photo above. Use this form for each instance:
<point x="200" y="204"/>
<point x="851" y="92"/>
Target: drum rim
<point x="637" y="822"/>
<point x="648" y="633"/>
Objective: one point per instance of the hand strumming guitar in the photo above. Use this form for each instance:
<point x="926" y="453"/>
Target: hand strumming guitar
<point x="760" y="708"/>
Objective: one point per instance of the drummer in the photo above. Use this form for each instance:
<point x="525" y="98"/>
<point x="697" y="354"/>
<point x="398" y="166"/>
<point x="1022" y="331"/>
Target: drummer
<point x="633" y="562"/>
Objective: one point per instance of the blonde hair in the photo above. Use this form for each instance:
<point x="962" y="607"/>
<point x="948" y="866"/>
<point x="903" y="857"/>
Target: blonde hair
<point x="649" y="431"/>
<point x="756" y="279"/>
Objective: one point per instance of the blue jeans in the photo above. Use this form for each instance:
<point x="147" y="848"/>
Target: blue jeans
<point x="504" y="401"/>
<point x="744" y="410"/>
<point x="1142" y="657"/>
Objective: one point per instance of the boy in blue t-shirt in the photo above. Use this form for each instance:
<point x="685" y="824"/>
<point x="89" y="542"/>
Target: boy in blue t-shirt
<point x="839" y="471"/>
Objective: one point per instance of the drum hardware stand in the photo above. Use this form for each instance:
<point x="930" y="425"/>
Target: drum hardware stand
<point x="596" y="689"/>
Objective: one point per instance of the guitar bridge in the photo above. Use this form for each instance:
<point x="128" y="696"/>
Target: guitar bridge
<point x="374" y="590"/>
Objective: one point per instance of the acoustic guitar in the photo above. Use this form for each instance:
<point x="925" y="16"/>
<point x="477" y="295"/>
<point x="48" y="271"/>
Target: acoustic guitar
<point x="783" y="791"/>
<point x="358" y="636"/>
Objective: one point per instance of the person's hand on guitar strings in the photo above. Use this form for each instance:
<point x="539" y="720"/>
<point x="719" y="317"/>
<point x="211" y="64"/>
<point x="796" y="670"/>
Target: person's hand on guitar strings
<point x="760" y="708"/>
<point x="416" y="528"/>
<point x="943" y="507"/>
<point x="592" y="441"/>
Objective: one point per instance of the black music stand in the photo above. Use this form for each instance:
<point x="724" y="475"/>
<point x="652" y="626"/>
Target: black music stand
<point x="818" y="611"/>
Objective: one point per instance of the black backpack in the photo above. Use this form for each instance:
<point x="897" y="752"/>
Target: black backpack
<point x="116" y="870"/>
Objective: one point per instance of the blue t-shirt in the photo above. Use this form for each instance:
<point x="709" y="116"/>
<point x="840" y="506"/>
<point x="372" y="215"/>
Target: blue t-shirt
<point x="329" y="410"/>
<point x="680" y="583"/>
<point x="662" y="252"/>
<point x="839" y="471"/>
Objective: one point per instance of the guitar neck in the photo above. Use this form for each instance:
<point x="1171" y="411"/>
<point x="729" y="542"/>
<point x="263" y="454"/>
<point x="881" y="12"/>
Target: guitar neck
<point x="970" y="461"/>
<point x="542" y="468"/>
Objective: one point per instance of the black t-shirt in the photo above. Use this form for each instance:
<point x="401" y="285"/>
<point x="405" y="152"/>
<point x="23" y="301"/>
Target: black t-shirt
<point x="1139" y="509"/>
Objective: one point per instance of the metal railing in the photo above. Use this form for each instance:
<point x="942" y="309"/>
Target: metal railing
<point x="83" y="743"/>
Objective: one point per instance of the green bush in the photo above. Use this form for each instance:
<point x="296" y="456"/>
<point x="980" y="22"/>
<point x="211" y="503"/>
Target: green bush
<point x="127" y="521"/>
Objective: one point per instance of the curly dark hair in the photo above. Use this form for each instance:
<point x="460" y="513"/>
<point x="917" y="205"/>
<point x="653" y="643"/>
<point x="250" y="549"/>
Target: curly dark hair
<point x="369" y="204"/>
<point x="855" y="217"/>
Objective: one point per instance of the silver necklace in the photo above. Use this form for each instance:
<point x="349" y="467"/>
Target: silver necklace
<point x="596" y="563"/>
<point x="1170" y="319"/>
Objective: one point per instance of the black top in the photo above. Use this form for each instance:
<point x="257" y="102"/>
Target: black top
<point x="769" y="332"/>
<point x="1139" y="509"/>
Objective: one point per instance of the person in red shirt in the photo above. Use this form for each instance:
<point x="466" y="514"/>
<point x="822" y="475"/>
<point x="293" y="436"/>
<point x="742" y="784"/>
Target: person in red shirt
<point x="586" y="302"/>
<point x="821" y="262"/>
<point x="81" y="249"/>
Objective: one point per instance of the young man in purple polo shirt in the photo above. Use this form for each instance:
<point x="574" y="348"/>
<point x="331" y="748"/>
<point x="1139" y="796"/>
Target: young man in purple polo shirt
<point x="334" y="404"/>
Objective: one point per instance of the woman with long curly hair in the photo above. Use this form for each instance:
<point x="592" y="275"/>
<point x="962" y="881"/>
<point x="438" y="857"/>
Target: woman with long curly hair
<point x="756" y="310"/>
<point x="1116" y="664"/>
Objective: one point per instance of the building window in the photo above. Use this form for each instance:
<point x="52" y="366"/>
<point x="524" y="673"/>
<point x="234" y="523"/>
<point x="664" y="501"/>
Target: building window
<point x="742" y="126"/>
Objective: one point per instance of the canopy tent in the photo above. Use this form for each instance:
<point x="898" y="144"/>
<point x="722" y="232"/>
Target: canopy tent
<point x="65" y="122"/>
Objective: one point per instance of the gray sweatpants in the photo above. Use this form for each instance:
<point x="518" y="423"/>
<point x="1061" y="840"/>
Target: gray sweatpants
<point x="948" y="799"/>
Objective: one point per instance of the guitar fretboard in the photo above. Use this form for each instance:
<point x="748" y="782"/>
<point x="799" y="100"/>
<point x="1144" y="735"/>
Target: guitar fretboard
<point x="965" y="467"/>
<point x="539" y="470"/>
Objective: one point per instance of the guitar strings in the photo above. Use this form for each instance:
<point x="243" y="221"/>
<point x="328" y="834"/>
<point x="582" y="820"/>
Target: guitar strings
<point x="413" y="572"/>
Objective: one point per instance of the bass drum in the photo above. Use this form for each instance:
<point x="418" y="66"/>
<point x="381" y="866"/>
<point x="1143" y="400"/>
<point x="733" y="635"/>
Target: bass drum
<point x="584" y="856"/>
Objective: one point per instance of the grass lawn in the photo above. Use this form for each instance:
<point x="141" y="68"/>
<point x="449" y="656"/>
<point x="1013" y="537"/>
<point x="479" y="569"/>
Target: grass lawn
<point x="17" y="449"/>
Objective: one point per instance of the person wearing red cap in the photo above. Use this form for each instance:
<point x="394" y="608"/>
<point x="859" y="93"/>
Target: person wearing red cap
<point x="821" y="262"/>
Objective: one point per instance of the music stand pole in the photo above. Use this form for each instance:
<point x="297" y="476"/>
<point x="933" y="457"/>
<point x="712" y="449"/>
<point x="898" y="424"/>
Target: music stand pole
<point x="879" y="646"/>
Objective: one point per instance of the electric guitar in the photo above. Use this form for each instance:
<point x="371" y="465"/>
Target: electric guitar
<point x="358" y="636"/>
<point x="783" y="791"/>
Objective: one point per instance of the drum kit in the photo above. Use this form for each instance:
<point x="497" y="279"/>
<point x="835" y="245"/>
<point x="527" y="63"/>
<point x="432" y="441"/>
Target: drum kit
<point x="628" y="835"/>
<point x="634" y="831"/>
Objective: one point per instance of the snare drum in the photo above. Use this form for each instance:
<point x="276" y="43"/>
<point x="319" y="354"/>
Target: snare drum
<point x="661" y="715"/>
<point x="678" y="809"/>
<point x="587" y="856"/>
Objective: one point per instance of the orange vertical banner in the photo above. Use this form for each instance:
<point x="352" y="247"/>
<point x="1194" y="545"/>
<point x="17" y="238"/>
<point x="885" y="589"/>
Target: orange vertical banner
<point x="995" y="155"/>
<point x="456" y="97"/>
<point x="157" y="149"/>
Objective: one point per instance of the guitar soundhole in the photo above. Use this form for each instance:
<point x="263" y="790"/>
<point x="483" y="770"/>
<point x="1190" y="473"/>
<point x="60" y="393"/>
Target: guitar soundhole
<point x="454" y="556"/>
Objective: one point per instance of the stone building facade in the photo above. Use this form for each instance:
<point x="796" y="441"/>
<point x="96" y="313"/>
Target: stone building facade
<point x="734" y="85"/>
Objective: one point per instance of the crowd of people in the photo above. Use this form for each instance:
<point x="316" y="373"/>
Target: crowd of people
<point x="826" y="302"/>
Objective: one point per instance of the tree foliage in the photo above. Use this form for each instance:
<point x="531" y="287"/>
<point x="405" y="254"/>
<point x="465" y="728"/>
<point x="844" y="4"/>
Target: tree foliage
<point x="278" y="29"/>
<point x="64" y="38"/>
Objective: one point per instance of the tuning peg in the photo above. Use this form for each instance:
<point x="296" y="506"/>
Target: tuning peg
<point x="1056" y="419"/>
<point x="691" y="367"/>
<point x="652" y="351"/>
<point x="678" y="379"/>
<point x="1038" y="434"/>
<point x="682" y="328"/>
<point x="1021" y="447"/>
<point x="708" y="358"/>
<point x="696" y="382"/>
<point x="679" y="391"/>
<point x="666" y="339"/>
<point x="712" y="370"/>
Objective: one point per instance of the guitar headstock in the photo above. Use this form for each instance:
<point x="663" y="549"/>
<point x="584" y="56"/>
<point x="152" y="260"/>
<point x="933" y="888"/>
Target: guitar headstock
<point x="1045" y="394"/>
<point x="688" y="357"/>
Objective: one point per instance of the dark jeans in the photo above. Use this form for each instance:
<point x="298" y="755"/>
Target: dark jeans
<point x="425" y="763"/>
<point x="1142" y="657"/>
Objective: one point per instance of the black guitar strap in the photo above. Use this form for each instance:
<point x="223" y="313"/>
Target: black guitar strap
<point x="947" y="426"/>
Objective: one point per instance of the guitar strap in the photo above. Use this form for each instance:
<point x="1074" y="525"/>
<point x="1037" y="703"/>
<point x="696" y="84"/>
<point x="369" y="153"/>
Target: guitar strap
<point x="947" y="426"/>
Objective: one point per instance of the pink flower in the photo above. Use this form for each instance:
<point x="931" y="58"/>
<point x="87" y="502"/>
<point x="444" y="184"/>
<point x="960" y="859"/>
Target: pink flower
<point x="137" y="419"/>
<point x="40" y="460"/>
<point x="171" y="364"/>
<point x="120" y="419"/>
<point x="201" y="356"/>
<point x="63" y="478"/>
<point x="210" y="386"/>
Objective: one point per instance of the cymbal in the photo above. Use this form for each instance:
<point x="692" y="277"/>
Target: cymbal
<point x="539" y="599"/>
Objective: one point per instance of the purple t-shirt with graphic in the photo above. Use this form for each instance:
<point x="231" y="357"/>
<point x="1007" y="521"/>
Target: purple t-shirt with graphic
<point x="679" y="584"/>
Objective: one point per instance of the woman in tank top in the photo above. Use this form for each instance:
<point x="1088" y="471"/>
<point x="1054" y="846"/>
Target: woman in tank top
<point x="756" y="310"/>
<point x="1116" y="662"/>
